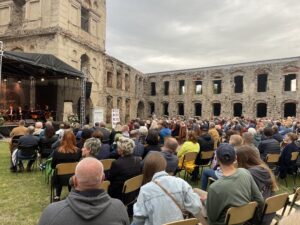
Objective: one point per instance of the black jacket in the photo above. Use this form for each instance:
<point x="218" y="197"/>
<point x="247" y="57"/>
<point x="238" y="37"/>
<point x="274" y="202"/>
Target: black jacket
<point x="268" y="146"/>
<point x="206" y="143"/>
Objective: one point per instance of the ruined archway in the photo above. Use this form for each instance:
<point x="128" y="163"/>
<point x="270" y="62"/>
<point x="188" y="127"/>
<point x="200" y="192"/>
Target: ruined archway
<point x="140" y="110"/>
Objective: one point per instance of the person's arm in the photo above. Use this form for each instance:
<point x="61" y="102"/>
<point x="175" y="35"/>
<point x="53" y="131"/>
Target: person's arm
<point x="113" y="172"/>
<point x="54" y="160"/>
<point x="183" y="149"/>
<point x="256" y="194"/>
<point x="213" y="206"/>
<point x="191" y="200"/>
<point x="140" y="212"/>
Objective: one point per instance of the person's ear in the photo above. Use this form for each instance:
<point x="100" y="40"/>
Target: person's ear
<point x="74" y="180"/>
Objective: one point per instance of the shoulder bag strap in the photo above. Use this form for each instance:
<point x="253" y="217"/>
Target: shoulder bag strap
<point x="169" y="194"/>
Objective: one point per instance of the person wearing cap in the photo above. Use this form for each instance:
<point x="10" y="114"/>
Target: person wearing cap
<point x="164" y="132"/>
<point x="206" y="143"/>
<point x="236" y="188"/>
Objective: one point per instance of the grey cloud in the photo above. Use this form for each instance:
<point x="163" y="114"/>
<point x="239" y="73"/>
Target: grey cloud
<point x="162" y="35"/>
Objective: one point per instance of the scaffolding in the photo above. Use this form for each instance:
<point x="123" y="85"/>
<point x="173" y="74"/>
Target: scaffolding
<point x="82" y="99"/>
<point x="1" y="56"/>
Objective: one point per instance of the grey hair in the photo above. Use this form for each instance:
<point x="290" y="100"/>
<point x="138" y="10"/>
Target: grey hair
<point x="93" y="144"/>
<point x="126" y="144"/>
<point x="30" y="130"/>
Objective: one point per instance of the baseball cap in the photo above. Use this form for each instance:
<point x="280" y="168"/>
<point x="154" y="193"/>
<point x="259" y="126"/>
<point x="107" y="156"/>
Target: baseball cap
<point x="226" y="154"/>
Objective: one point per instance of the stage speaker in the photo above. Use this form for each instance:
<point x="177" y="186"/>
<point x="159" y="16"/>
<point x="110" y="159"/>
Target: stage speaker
<point x="29" y="122"/>
<point x="88" y="89"/>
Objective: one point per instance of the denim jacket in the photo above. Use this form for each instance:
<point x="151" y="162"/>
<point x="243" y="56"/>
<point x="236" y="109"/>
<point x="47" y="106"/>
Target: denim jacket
<point x="155" y="207"/>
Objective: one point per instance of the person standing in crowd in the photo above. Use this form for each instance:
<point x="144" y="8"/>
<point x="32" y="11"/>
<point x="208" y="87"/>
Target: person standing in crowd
<point x="214" y="134"/>
<point x="154" y="205"/>
<point x="65" y="153"/>
<point x="236" y="188"/>
<point x="87" y="203"/>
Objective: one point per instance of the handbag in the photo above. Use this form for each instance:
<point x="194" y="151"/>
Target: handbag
<point x="184" y="212"/>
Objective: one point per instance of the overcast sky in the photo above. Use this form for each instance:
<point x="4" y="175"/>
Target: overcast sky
<point x="159" y="35"/>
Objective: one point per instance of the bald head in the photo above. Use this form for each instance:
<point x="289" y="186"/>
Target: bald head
<point x="170" y="145"/>
<point x="88" y="174"/>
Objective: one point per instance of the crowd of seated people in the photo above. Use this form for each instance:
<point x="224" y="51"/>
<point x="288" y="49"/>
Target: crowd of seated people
<point x="247" y="143"/>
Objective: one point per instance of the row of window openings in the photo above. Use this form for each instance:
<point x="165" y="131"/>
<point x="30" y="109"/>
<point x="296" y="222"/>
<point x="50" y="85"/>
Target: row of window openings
<point x="261" y="109"/>
<point x="289" y="85"/>
<point x="119" y="81"/>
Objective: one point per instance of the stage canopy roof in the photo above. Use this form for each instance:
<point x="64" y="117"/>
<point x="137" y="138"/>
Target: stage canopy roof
<point x="25" y="65"/>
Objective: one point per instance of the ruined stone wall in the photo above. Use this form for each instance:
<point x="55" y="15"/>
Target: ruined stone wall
<point x="275" y="96"/>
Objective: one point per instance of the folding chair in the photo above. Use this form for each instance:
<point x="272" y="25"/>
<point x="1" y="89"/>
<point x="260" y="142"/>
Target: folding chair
<point x="295" y="199"/>
<point x="27" y="153"/>
<point x="192" y="221"/>
<point x="14" y="142"/>
<point x="107" y="163"/>
<point x="206" y="155"/>
<point x="188" y="157"/>
<point x="275" y="203"/>
<point x="105" y="185"/>
<point x="63" y="169"/>
<point x="131" y="185"/>
<point x="272" y="161"/>
<point x="294" y="168"/>
<point x="241" y="214"/>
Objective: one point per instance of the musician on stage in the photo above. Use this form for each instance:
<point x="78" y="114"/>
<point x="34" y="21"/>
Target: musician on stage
<point x="11" y="113"/>
<point x="20" y="113"/>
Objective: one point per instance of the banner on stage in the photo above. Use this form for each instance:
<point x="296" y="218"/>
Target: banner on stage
<point x="98" y="115"/>
<point x="115" y="117"/>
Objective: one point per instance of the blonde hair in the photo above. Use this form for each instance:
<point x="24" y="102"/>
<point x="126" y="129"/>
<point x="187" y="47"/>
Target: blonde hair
<point x="126" y="145"/>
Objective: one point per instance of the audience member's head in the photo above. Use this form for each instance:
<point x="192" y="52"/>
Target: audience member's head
<point x="91" y="147"/>
<point x="97" y="124"/>
<point x="252" y="131"/>
<point x="226" y="154"/>
<point x="68" y="142"/>
<point x="136" y="125"/>
<point x="49" y="131"/>
<point x="22" y="123"/>
<point x="236" y="140"/>
<point x="88" y="174"/>
<point x="86" y="134"/>
<point x="30" y="130"/>
<point x="290" y="137"/>
<point x="268" y="131"/>
<point x="247" y="138"/>
<point x="102" y="124"/>
<point x="38" y="125"/>
<point x="170" y="145"/>
<point x="152" y="137"/>
<point x="97" y="134"/>
<point x="212" y="125"/>
<point x="153" y="163"/>
<point x="192" y="137"/>
<point x="125" y="146"/>
<point x="275" y="129"/>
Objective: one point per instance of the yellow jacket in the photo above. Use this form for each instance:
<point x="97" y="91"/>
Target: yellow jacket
<point x="188" y="146"/>
<point x="215" y="135"/>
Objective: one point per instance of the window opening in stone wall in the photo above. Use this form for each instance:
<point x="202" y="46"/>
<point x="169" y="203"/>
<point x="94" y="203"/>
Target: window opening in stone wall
<point x="198" y="109"/>
<point x="20" y="3"/>
<point x="261" y="110"/>
<point x="262" y="81"/>
<point x="119" y="80"/>
<point x="109" y="79"/>
<point x="127" y="82"/>
<point x="216" y="109"/>
<point x="290" y="82"/>
<point x="198" y="87"/>
<point x="84" y="19"/>
<point x="238" y="84"/>
<point x="289" y="109"/>
<point x="217" y="85"/>
<point x="166" y="87"/>
<point x="237" y="109"/>
<point x="153" y="88"/>
<point x="181" y="87"/>
<point x="152" y="107"/>
<point x="180" y="109"/>
<point x="166" y="108"/>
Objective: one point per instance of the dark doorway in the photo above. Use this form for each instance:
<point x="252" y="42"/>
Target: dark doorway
<point x="152" y="107"/>
<point x="166" y="108"/>
<point x="46" y="95"/>
<point x="180" y="109"/>
<point x="237" y="109"/>
<point x="289" y="109"/>
<point x="198" y="109"/>
<point x="216" y="109"/>
<point x="261" y="110"/>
